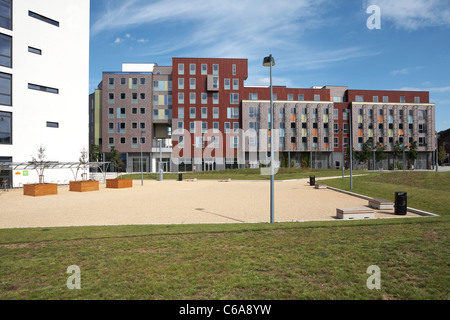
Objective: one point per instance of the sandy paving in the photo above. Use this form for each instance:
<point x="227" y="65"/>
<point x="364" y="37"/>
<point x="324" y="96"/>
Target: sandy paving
<point x="174" y="202"/>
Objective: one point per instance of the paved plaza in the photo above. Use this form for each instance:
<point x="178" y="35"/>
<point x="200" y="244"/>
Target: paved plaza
<point x="178" y="202"/>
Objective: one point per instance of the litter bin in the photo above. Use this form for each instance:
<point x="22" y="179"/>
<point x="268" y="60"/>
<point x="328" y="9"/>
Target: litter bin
<point x="180" y="177"/>
<point x="401" y="203"/>
<point x="312" y="180"/>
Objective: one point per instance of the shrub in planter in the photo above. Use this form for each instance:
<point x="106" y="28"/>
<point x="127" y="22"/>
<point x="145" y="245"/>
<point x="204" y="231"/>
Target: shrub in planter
<point x="41" y="188"/>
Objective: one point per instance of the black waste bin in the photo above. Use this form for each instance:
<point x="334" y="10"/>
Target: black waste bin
<point x="180" y="177"/>
<point x="312" y="180"/>
<point x="401" y="203"/>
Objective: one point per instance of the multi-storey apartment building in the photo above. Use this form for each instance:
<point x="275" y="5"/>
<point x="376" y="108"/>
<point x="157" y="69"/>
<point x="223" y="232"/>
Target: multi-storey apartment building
<point x="213" y="121"/>
<point x="44" y="81"/>
<point x="132" y="111"/>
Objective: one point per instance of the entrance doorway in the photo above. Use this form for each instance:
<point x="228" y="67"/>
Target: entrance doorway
<point x="209" y="166"/>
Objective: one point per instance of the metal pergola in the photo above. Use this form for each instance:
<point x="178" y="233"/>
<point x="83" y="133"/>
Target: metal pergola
<point x="73" y="166"/>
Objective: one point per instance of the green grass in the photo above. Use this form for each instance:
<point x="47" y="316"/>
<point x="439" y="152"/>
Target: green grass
<point x="249" y="174"/>
<point x="312" y="260"/>
<point x="428" y="191"/>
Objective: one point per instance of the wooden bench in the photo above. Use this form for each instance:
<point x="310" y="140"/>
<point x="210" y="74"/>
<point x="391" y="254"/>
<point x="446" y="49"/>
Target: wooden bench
<point x="355" y="213"/>
<point x="225" y="180"/>
<point x="381" y="204"/>
<point x="320" y="186"/>
<point x="191" y="180"/>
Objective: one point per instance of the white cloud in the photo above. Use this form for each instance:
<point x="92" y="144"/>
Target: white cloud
<point x="118" y="40"/>
<point x="434" y="90"/>
<point x="413" y="14"/>
<point x="405" y="70"/>
<point x="226" y="28"/>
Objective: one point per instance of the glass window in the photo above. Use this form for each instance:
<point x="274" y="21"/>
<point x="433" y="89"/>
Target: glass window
<point x="6" y="14"/>
<point x="301" y="97"/>
<point x="181" y="68"/>
<point x="5" y="89"/>
<point x="215" y="113"/>
<point x="192" y="83"/>
<point x="215" y="98"/>
<point x="180" y="112"/>
<point x="5" y="127"/>
<point x="42" y="18"/>
<point x="192" y="68"/>
<point x="180" y="83"/>
<point x="234" y="98"/>
<point x="204" y="113"/>
<point x="204" y="69"/>
<point x="204" y="98"/>
<point x="45" y="89"/>
<point x="215" y="69"/>
<point x="317" y="97"/>
<point x="192" y="113"/>
<point x="235" y="84"/>
<point x="52" y="124"/>
<point x="226" y="84"/>
<point x="233" y="113"/>
<point x="5" y="50"/>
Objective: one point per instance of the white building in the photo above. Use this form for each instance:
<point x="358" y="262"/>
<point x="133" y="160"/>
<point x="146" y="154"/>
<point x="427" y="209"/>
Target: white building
<point x="44" y="82"/>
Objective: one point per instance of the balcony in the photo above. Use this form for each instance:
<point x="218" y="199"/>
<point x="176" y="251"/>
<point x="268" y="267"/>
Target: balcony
<point x="162" y="145"/>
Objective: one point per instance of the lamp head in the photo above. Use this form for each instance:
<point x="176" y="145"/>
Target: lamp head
<point x="268" y="61"/>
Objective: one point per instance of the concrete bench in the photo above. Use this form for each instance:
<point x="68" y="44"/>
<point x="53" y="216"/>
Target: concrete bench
<point x="320" y="186"/>
<point x="191" y="180"/>
<point x="225" y="180"/>
<point x="355" y="213"/>
<point x="381" y="204"/>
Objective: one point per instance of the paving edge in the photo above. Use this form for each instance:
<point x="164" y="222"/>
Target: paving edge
<point x="412" y="210"/>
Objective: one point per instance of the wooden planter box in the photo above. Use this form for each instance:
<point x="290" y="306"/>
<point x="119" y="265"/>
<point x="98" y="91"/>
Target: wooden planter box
<point x="84" y="186"/>
<point x="119" y="183"/>
<point x="37" y="190"/>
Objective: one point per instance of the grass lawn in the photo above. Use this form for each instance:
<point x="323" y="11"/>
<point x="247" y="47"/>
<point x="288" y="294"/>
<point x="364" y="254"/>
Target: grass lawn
<point x="428" y="191"/>
<point x="311" y="260"/>
<point x="249" y="174"/>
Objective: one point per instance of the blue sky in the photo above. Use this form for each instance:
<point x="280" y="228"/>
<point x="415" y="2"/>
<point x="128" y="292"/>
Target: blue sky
<point x="314" y="42"/>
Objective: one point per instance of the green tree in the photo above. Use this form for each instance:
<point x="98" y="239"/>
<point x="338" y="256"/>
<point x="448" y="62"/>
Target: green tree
<point x="442" y="154"/>
<point x="95" y="154"/>
<point x="366" y="152"/>
<point x="397" y="151"/>
<point x="412" y="153"/>
<point x="380" y="154"/>
<point x="39" y="163"/>
<point x="116" y="161"/>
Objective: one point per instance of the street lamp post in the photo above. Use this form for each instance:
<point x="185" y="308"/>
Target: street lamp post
<point x="343" y="155"/>
<point x="269" y="62"/>
<point x="142" y="166"/>
<point x="351" y="151"/>
<point x="437" y="152"/>
<point x="160" y="160"/>
<point x="403" y="149"/>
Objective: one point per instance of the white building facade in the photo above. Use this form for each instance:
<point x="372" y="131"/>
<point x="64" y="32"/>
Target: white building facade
<point x="44" y="82"/>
